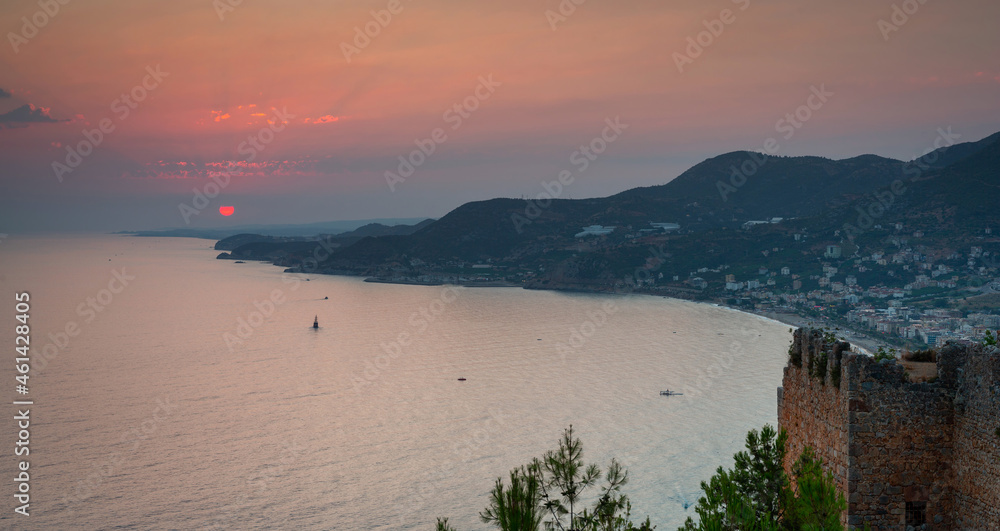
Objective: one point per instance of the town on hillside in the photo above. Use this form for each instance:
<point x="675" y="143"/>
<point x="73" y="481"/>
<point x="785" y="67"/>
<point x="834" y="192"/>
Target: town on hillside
<point x="907" y="294"/>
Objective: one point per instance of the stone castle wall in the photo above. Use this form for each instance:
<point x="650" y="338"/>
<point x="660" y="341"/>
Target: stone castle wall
<point x="815" y="413"/>
<point x="976" y="463"/>
<point x="892" y="444"/>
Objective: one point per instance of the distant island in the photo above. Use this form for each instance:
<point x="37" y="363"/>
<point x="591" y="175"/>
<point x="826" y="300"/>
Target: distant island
<point x="902" y="253"/>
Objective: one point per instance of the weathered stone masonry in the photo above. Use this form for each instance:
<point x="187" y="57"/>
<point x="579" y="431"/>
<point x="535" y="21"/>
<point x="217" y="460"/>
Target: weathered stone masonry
<point x="903" y="453"/>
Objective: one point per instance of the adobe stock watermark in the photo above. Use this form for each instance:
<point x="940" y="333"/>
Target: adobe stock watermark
<point x="245" y="327"/>
<point x="218" y="181"/>
<point x="720" y="364"/>
<point x="122" y="108"/>
<point x="363" y="35"/>
<point x="714" y="28"/>
<point x="223" y="7"/>
<point x="884" y="200"/>
<point x="581" y="159"/>
<point x="788" y="125"/>
<point x="578" y="335"/>
<point x="116" y="460"/>
<point x="89" y="309"/>
<point x="899" y="16"/>
<point x="566" y="9"/>
<point x="30" y="26"/>
<point x="643" y="274"/>
<point x="257" y="485"/>
<point x="419" y="321"/>
<point x="598" y="317"/>
<point x="464" y="450"/>
<point x="454" y="115"/>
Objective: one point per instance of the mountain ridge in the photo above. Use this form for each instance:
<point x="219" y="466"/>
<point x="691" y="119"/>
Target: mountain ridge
<point x="818" y="198"/>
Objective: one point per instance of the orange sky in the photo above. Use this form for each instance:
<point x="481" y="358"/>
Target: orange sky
<point x="606" y="59"/>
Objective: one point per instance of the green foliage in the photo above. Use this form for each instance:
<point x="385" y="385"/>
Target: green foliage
<point x="828" y="336"/>
<point x="794" y="355"/>
<point x="616" y="521"/>
<point x="838" y="356"/>
<point x="818" y="504"/>
<point x="757" y="494"/>
<point x="884" y="354"/>
<point x="564" y="478"/>
<point x="922" y="356"/>
<point x="516" y="507"/>
<point x="759" y="471"/>
<point x="749" y="496"/>
<point x="820" y="366"/>
<point x="724" y="508"/>
<point x="991" y="340"/>
<point x="556" y="485"/>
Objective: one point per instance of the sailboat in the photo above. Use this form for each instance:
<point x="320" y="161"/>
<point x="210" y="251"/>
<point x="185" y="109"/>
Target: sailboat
<point x="316" y="322"/>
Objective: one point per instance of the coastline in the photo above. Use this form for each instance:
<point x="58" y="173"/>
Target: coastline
<point x="855" y="337"/>
<point x="467" y="284"/>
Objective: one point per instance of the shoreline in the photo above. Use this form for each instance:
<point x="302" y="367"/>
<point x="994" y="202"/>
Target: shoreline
<point x="467" y="284"/>
<point x="855" y="337"/>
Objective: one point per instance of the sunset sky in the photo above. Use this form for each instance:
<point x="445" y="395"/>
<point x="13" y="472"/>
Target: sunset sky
<point x="229" y="69"/>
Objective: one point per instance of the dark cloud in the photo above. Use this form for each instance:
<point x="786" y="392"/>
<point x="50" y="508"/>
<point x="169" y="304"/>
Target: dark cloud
<point x="4" y="93"/>
<point x="26" y="114"/>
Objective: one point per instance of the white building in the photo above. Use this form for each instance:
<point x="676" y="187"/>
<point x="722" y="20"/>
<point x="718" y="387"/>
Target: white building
<point x="749" y="224"/>
<point x="667" y="227"/>
<point x="698" y="283"/>
<point x="595" y="230"/>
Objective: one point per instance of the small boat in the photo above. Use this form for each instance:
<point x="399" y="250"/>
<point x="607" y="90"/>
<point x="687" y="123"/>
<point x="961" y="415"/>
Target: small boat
<point x="461" y="379"/>
<point x="316" y="322"/>
<point x="668" y="392"/>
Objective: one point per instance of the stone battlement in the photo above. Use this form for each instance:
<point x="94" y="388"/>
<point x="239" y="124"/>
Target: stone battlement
<point x="922" y="454"/>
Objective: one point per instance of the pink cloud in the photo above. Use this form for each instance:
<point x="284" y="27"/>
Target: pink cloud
<point x="323" y="119"/>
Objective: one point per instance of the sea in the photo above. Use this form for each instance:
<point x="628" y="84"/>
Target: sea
<point x="172" y="390"/>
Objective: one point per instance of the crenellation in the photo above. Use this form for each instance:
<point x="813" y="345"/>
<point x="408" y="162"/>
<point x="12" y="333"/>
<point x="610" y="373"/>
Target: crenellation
<point x="901" y="452"/>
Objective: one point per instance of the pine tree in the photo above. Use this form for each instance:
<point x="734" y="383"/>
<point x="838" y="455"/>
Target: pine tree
<point x="757" y="494"/>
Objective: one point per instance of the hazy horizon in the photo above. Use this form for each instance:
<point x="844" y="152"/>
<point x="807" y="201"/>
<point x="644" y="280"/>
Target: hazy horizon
<point x="315" y="104"/>
<point x="223" y="223"/>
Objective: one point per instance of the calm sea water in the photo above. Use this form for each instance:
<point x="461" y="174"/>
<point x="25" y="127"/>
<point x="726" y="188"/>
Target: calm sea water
<point x="166" y="411"/>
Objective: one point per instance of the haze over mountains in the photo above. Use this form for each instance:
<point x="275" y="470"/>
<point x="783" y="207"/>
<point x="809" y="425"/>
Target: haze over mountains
<point x="948" y="194"/>
<point x="286" y="230"/>
<point x="257" y="245"/>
